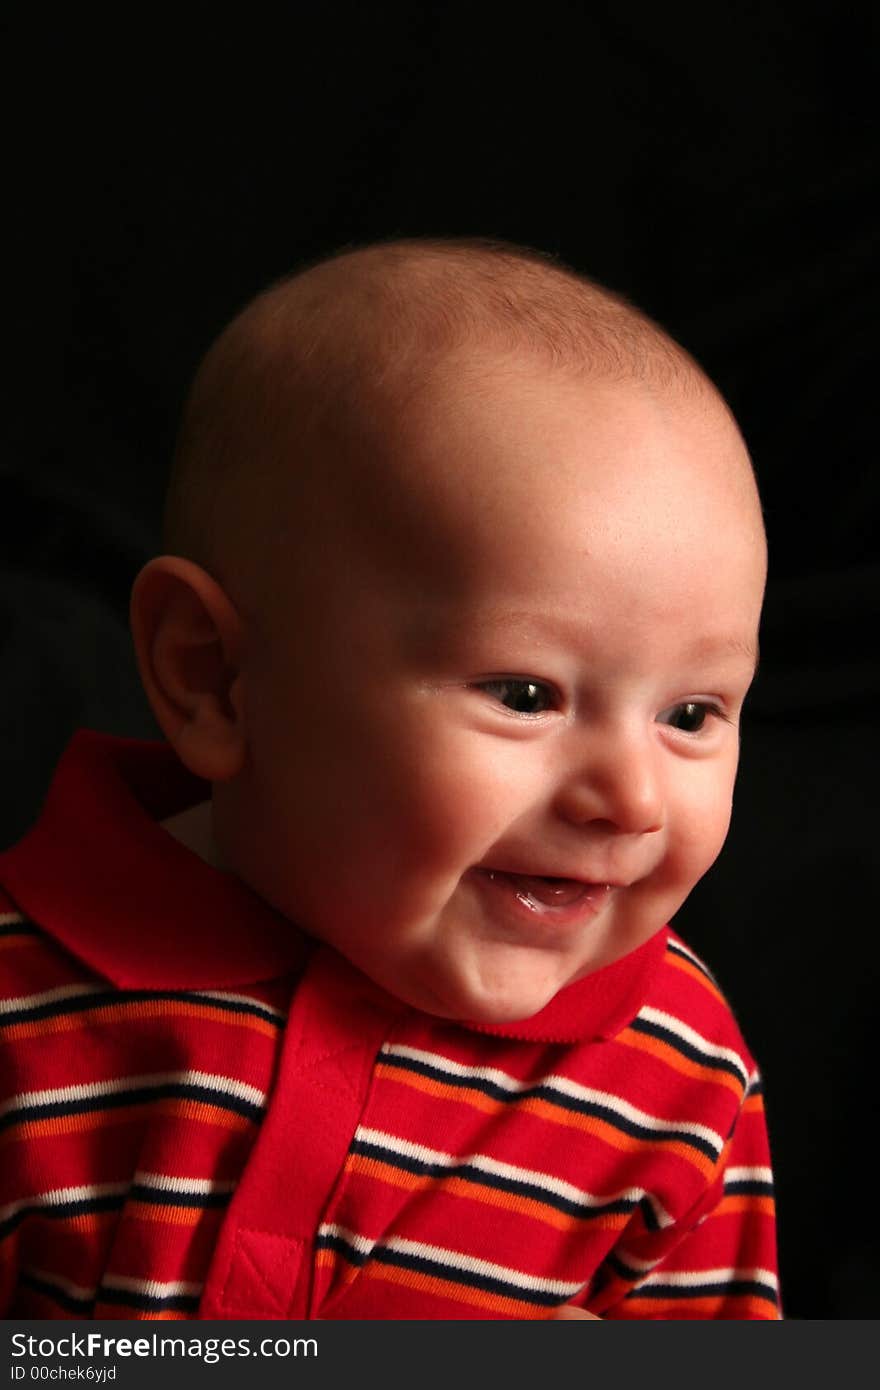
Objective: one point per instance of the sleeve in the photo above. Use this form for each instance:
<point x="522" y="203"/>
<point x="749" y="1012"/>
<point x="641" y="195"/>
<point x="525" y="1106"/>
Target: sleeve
<point x="12" y="933"/>
<point x="719" y="1261"/>
<point x="29" y="1189"/>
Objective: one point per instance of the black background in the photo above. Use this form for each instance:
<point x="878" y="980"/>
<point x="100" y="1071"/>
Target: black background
<point x="715" y="162"/>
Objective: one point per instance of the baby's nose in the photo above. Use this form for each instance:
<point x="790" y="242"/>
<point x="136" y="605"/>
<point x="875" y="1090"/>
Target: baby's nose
<point x="615" y="778"/>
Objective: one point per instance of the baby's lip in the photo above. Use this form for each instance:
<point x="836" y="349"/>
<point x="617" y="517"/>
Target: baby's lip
<point x="543" y="875"/>
<point x="549" y="890"/>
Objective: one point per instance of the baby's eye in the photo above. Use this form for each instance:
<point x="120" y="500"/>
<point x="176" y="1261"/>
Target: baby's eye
<point x="520" y="695"/>
<point x="689" y="717"/>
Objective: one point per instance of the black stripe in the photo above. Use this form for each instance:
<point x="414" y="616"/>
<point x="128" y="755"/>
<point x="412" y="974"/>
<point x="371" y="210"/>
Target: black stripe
<point x="749" y="1187"/>
<point x="691" y="960"/>
<point x="470" y="1173"/>
<point x="72" y="1302"/>
<point x="622" y="1269"/>
<point x="160" y="1197"/>
<point x="115" y="1201"/>
<point x="649" y="1215"/>
<point x="59" y="1211"/>
<point x="688" y="1049"/>
<point x="420" y="1264"/>
<point x="342" y="1247"/>
<point x="19" y="929"/>
<point x="470" y="1083"/>
<point x="179" y="1302"/>
<point x="172" y="1090"/>
<point x="734" y="1287"/>
<point x="113" y="999"/>
<point x="541" y="1091"/>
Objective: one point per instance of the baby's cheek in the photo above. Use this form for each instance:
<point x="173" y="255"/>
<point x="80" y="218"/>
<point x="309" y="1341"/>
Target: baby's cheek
<point x="700" y="835"/>
<point x="466" y="797"/>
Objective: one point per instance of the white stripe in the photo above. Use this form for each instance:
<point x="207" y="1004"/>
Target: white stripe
<point x="455" y="1259"/>
<point x="494" y="1166"/>
<point x="690" y="1035"/>
<point x="363" y="1244"/>
<point x="231" y="998"/>
<point x="694" y="1279"/>
<point x="49" y="996"/>
<point x="692" y="956"/>
<point x="631" y="1112"/>
<point x="227" y="1085"/>
<point x="153" y="1288"/>
<point x="65" y="1285"/>
<point x="635" y="1264"/>
<point x="749" y="1175"/>
<point x="164" y="1182"/>
<point x="433" y="1059"/>
<point x="564" y="1086"/>
<point x="9" y="919"/>
<point x="59" y="1196"/>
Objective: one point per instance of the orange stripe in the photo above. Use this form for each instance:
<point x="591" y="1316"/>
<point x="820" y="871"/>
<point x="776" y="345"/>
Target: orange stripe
<point x="617" y="1139"/>
<point x="457" y="1186"/>
<point x="343" y="1271"/>
<point x="441" y="1090"/>
<point x="754" y="1104"/>
<point x="429" y="1283"/>
<point x="460" y="1293"/>
<point x="546" y="1110"/>
<point x="132" y="1012"/>
<point x="113" y="1310"/>
<point x="171" y="1215"/>
<point x="688" y="967"/>
<point x="87" y="1222"/>
<point x="743" y="1306"/>
<point x="199" y="1111"/>
<point x="666" y="1052"/>
<point x="738" y="1202"/>
<point x="19" y="938"/>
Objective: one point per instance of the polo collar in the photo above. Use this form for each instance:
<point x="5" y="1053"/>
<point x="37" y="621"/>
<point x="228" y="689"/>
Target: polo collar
<point x="101" y="876"/>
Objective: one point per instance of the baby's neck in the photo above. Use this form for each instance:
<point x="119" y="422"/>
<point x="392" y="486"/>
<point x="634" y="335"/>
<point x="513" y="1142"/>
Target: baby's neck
<point x="193" y="828"/>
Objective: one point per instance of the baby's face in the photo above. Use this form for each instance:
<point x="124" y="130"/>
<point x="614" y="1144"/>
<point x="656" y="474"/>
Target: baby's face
<point x="495" y="747"/>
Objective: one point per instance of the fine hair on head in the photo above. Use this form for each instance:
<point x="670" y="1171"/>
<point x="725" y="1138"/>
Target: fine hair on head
<point x="325" y="351"/>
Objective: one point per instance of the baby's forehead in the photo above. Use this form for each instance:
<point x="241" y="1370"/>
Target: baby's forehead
<point x="509" y="419"/>
<point x="493" y="452"/>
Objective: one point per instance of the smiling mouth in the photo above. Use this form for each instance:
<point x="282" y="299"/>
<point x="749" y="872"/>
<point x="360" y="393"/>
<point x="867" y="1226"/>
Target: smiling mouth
<point x="548" y="892"/>
<point x="545" y="896"/>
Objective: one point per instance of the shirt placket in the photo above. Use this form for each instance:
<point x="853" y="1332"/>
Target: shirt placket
<point x="263" y="1263"/>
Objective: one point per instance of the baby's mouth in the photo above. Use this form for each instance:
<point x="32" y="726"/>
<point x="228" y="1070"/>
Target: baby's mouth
<point x="541" y="893"/>
<point x="549" y="892"/>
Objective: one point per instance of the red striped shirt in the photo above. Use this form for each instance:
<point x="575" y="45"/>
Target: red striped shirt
<point x="201" y="1116"/>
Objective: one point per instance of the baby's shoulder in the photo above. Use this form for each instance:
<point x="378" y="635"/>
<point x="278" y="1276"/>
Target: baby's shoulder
<point x="32" y="965"/>
<point x="686" y="1021"/>
<point x="686" y="987"/>
<point x="42" y="989"/>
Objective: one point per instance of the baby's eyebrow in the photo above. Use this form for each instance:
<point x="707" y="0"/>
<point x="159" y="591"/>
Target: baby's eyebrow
<point x="541" y="624"/>
<point x="544" y="628"/>
<point x="722" y="646"/>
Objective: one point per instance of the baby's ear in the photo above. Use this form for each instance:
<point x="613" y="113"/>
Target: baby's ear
<point x="188" y="640"/>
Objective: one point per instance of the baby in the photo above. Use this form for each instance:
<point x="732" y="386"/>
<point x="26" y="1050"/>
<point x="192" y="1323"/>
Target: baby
<point x="375" y="1007"/>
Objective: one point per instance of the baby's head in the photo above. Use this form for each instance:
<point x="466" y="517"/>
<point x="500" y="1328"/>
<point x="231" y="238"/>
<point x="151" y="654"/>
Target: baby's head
<point x="460" y="612"/>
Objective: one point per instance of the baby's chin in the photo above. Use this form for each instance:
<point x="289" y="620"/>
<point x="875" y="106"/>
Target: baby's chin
<point x="464" y="993"/>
